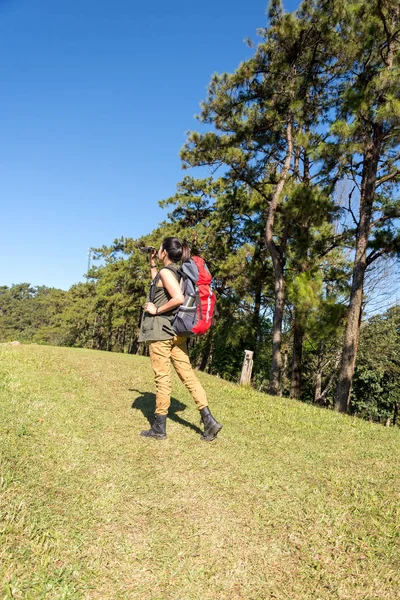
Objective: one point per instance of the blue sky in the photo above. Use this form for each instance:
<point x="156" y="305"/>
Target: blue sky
<point x="95" y="101"/>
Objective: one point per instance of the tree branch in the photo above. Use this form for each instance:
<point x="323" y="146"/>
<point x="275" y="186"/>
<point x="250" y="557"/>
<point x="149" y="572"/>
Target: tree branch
<point x="373" y="256"/>
<point x="350" y="210"/>
<point x="387" y="177"/>
<point x="384" y="218"/>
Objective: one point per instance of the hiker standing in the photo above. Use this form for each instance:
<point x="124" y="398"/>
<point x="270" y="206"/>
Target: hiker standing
<point x="165" y="346"/>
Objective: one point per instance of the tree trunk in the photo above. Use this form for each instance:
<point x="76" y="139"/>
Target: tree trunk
<point x="351" y="337"/>
<point x="284" y="378"/>
<point x="318" y="375"/>
<point x="318" y="387"/>
<point x="94" y="332"/>
<point x="109" y="331"/>
<point x="123" y="341"/>
<point x="206" y="353"/>
<point x="258" y="283"/>
<point x="295" y="386"/>
<point x="133" y="343"/>
<point x="275" y="377"/>
<point x="278" y="266"/>
<point x="256" y="313"/>
<point x="396" y="413"/>
<point x="322" y="364"/>
<point x="352" y="330"/>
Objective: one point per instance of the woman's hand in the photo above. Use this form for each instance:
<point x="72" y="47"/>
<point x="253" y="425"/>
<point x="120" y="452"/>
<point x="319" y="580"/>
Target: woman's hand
<point x="150" y="308"/>
<point x="152" y="255"/>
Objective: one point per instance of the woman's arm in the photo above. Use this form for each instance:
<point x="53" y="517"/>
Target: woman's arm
<point x="173" y="288"/>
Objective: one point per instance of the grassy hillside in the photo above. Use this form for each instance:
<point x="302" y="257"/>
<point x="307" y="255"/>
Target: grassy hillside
<point x="290" y="502"/>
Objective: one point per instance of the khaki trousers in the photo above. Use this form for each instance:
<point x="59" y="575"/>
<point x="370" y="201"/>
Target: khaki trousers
<point x="161" y="355"/>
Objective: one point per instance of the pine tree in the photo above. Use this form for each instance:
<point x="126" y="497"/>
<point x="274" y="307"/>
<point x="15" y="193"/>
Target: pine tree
<point x="365" y="144"/>
<point x="262" y="114"/>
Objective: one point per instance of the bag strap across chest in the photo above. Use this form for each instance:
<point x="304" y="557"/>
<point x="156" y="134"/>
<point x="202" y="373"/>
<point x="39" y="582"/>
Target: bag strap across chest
<point x="154" y="283"/>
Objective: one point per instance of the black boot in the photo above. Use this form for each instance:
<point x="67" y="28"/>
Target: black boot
<point x="157" y="430"/>
<point x="211" y="426"/>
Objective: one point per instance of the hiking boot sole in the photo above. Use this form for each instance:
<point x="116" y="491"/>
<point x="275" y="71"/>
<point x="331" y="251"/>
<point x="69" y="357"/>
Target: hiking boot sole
<point x="211" y="434"/>
<point x="154" y="436"/>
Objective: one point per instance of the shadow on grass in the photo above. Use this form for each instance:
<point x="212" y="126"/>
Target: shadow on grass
<point x="147" y="403"/>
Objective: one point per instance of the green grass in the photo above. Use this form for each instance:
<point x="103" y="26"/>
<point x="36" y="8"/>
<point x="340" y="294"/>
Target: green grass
<point x="290" y="502"/>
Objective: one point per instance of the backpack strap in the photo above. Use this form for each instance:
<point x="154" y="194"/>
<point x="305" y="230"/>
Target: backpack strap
<point x="198" y="301"/>
<point x="175" y="270"/>
<point x="153" y="286"/>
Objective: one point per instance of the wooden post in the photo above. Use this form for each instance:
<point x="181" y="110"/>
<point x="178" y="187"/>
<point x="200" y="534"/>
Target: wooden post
<point x="247" y="367"/>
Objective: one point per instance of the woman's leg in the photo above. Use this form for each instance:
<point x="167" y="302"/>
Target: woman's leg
<point x="160" y="356"/>
<point x="181" y="362"/>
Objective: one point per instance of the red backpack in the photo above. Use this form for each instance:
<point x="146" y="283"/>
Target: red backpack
<point x="194" y="316"/>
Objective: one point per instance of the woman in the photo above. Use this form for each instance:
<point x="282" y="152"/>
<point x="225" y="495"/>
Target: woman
<point x="165" y="346"/>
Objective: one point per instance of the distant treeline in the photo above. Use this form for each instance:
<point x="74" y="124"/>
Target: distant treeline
<point x="303" y="206"/>
<point x="104" y="314"/>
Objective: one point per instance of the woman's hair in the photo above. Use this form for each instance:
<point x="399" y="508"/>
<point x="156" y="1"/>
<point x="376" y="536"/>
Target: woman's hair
<point x="176" y="250"/>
